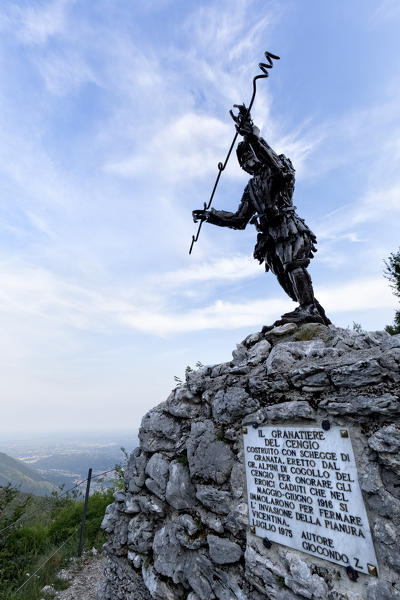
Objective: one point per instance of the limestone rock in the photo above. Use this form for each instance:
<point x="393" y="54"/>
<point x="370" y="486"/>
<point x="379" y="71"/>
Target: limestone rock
<point x="378" y="590"/>
<point x="159" y="432"/>
<point x="210" y="520"/>
<point x="259" y="352"/>
<point x="281" y="330"/>
<point x="239" y="355"/>
<point x="135" y="558"/>
<point x="363" y="372"/>
<point x="182" y="403"/>
<point x="237" y="480"/>
<point x="140" y="534"/>
<point x="387" y="543"/>
<point x="286" y="411"/>
<point x="386" y="442"/>
<point x="210" y="582"/>
<point x="218" y="501"/>
<point x="238" y="519"/>
<point x="230" y="405"/>
<point x="180" y="492"/>
<point x="109" y="518"/>
<point x="302" y="581"/>
<point x="157" y="469"/>
<point x="193" y="596"/>
<point x="186" y="532"/>
<point x="134" y="475"/>
<point x="386" y="404"/>
<point x="209" y="459"/>
<point x="223" y="551"/>
<point x="169" y="555"/>
<point x="196" y="381"/>
<point x="159" y="590"/>
<point x="130" y="505"/>
<point x="150" y="505"/>
<point x="261" y="569"/>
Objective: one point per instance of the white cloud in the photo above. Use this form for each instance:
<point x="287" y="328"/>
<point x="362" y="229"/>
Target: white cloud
<point x="39" y="294"/>
<point x="385" y="10"/>
<point x="205" y="78"/>
<point x="366" y="294"/>
<point x="220" y="315"/>
<point x="357" y="295"/>
<point x="36" y="24"/>
<point x="63" y="71"/>
<point x="187" y="148"/>
<point x="220" y="270"/>
<point x="374" y="206"/>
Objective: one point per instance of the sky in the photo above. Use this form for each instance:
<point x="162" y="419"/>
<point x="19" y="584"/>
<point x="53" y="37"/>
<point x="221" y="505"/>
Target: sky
<point x="113" y="118"/>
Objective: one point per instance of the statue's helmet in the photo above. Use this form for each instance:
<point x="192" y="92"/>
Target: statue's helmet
<point x="247" y="158"/>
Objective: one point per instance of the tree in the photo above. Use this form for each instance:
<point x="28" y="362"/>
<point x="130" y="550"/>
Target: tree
<point x="392" y="273"/>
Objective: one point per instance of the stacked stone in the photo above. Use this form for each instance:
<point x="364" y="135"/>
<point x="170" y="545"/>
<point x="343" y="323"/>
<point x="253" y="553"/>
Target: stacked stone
<point x="179" y="529"/>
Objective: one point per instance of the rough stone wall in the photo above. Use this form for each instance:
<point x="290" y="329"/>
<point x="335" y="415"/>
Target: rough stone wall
<point x="180" y="530"/>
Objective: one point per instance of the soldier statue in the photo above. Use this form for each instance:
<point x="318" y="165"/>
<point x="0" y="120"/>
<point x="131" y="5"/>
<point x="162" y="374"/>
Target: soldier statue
<point x="284" y="242"/>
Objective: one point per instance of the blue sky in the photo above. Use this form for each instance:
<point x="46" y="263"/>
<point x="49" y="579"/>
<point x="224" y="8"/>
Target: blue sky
<point x="113" y="117"/>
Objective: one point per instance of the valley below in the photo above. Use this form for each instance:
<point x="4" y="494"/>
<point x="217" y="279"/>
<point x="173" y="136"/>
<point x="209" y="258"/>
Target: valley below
<point x="62" y="459"/>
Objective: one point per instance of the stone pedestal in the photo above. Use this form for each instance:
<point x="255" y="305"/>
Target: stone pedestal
<point x="180" y="528"/>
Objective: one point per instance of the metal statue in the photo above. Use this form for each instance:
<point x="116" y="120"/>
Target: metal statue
<point x="284" y="242"/>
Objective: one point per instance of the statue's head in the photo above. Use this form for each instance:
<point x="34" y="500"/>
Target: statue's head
<point x="247" y="158"/>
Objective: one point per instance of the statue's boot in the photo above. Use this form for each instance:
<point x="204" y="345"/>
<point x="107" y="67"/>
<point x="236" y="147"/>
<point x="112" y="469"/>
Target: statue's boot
<point x="310" y="310"/>
<point x="322" y="312"/>
<point x="307" y="313"/>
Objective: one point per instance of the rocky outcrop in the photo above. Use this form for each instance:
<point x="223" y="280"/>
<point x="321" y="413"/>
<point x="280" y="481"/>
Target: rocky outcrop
<point x="179" y="529"/>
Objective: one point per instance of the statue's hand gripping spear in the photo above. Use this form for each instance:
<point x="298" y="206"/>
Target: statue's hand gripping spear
<point x="239" y="120"/>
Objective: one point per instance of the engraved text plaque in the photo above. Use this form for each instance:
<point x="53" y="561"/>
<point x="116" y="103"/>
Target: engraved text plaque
<point x="303" y="492"/>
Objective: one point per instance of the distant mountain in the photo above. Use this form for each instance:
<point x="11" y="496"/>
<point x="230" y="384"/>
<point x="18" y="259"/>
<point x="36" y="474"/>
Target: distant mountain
<point x="63" y="459"/>
<point x="70" y="467"/>
<point x="18" y="474"/>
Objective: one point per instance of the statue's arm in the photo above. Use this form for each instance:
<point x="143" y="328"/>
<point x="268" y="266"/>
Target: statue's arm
<point x="224" y="218"/>
<point x="251" y="135"/>
<point x="264" y="152"/>
<point x="236" y="220"/>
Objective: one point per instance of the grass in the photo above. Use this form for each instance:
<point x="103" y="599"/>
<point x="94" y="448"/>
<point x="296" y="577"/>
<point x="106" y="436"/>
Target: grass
<point x="32" y="544"/>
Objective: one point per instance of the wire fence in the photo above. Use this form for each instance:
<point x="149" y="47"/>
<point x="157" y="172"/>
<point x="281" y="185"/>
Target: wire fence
<point x="30" y="513"/>
<point x="46" y="561"/>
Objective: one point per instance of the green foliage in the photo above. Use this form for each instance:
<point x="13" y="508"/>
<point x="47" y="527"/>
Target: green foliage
<point x="30" y="542"/>
<point x="392" y="273"/>
<point x="281" y="582"/>
<point x="395" y="328"/>
<point x="13" y="504"/>
<point x="357" y="327"/>
<point x="221" y="435"/>
<point x="309" y="331"/>
<point x="119" y="478"/>
<point x="188" y="369"/>
<point x="183" y="459"/>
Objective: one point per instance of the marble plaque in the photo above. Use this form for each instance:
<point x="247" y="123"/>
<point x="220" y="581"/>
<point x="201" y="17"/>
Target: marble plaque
<point x="303" y="492"/>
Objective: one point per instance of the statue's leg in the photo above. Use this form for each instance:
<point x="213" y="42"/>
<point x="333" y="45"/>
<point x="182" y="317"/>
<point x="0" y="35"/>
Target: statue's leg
<point x="275" y="265"/>
<point x="310" y="308"/>
<point x="302" y="286"/>
<point x="288" y="259"/>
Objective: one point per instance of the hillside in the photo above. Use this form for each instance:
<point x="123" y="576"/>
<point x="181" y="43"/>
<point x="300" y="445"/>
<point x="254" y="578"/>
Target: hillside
<point x="21" y="476"/>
